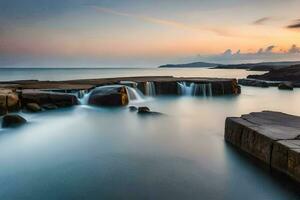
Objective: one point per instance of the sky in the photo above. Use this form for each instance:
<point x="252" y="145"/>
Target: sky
<point x="145" y="33"/>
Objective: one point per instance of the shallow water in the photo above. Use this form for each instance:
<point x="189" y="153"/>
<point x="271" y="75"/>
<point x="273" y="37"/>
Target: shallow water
<point x="95" y="153"/>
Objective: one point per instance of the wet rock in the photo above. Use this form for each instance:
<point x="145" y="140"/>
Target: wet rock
<point x="146" y="111"/>
<point x="271" y="137"/>
<point x="133" y="108"/>
<point x="45" y="98"/>
<point x="286" y="86"/>
<point x="10" y="121"/>
<point x="33" y="107"/>
<point x="9" y="101"/>
<point x="114" y="95"/>
<point x="143" y="109"/>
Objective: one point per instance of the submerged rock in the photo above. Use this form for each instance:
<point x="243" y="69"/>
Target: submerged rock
<point x="133" y="108"/>
<point x="114" y="95"/>
<point x="286" y="86"/>
<point x="146" y="111"/>
<point x="10" y="121"/>
<point x="33" y="107"/>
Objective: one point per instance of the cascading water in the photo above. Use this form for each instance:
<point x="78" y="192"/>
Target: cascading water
<point x="150" y="89"/>
<point x="83" y="97"/>
<point x="195" y="89"/>
<point x="187" y="89"/>
<point x="135" y="95"/>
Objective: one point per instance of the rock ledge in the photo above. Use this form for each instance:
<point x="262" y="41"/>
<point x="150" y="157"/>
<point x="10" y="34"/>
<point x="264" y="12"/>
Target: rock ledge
<point x="271" y="137"/>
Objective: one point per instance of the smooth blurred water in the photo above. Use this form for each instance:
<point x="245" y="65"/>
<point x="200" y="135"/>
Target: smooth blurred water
<point x="96" y="153"/>
<point x="7" y="74"/>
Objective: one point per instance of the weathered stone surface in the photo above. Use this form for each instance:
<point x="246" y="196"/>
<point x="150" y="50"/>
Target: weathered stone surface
<point x="115" y="95"/>
<point x="10" y="121"/>
<point x="9" y="101"/>
<point x="44" y="98"/>
<point x="271" y="137"/>
<point x="33" y="107"/>
<point x="286" y="86"/>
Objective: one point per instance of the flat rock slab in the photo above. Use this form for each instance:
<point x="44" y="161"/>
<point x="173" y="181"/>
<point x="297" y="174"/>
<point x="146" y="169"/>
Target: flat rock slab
<point x="272" y="137"/>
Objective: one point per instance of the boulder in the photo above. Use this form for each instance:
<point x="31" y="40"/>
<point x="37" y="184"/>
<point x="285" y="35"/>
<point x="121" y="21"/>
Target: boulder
<point x="286" y="86"/>
<point x="113" y="95"/>
<point x="146" y="111"/>
<point x="10" y="121"/>
<point x="33" y="107"/>
<point x="133" y="108"/>
<point x="143" y="109"/>
<point x="9" y="101"/>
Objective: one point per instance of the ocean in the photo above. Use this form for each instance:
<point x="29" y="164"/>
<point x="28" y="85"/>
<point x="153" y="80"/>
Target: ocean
<point x="87" y="152"/>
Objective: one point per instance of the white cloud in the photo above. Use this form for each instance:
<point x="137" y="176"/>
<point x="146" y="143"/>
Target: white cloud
<point x="262" y="55"/>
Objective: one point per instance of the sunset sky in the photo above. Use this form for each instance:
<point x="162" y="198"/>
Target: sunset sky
<point x="145" y="33"/>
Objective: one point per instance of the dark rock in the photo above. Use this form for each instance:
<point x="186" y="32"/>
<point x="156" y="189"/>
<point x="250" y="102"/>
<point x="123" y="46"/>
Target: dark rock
<point x="271" y="137"/>
<point x="114" y="95"/>
<point x="33" y="107"/>
<point x="253" y="83"/>
<point x="10" y="121"/>
<point x="143" y="109"/>
<point x="286" y="86"/>
<point x="133" y="108"/>
<point x="146" y="111"/>
<point x="44" y="98"/>
<point x="291" y="74"/>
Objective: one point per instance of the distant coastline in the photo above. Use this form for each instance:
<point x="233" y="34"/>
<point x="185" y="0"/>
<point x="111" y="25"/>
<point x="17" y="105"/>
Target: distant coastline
<point x="262" y="66"/>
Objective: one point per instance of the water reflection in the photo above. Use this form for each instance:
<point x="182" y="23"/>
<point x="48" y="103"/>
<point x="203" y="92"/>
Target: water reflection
<point x="95" y="153"/>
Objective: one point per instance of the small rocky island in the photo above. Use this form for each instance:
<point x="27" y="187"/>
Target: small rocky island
<point x="271" y="137"/>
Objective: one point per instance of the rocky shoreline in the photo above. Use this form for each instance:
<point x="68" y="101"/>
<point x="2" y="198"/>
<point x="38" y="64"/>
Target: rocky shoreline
<point x="283" y="78"/>
<point x="271" y="137"/>
<point x="34" y="95"/>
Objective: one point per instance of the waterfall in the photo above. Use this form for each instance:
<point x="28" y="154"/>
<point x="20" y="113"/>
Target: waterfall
<point x="195" y="89"/>
<point x="134" y="95"/>
<point x="205" y="90"/>
<point x="187" y="89"/>
<point x="83" y="98"/>
<point x="150" y="89"/>
<point x="210" y="92"/>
